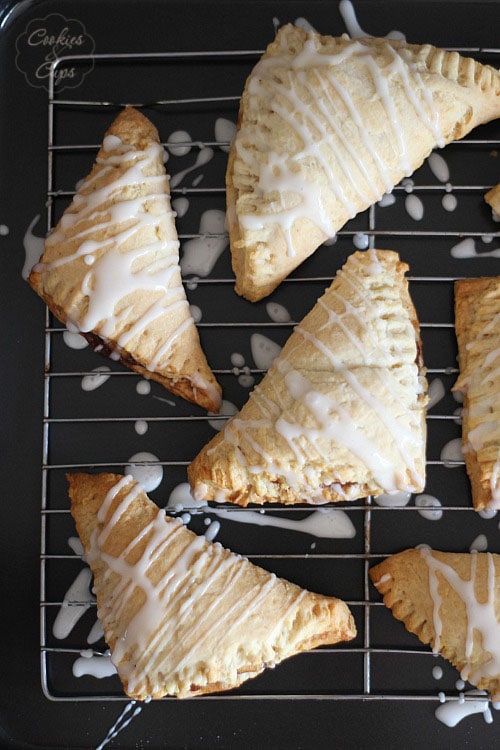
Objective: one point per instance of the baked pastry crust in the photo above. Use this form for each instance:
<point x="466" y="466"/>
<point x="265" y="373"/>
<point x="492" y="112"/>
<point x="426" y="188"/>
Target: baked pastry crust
<point x="452" y="603"/>
<point x="111" y="269"/>
<point x="341" y="412"/>
<point x="477" y="323"/>
<point x="492" y="197"/>
<point x="326" y="126"/>
<point x="181" y="615"/>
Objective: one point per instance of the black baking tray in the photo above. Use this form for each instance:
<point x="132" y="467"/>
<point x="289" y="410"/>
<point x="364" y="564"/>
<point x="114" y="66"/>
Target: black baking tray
<point x="28" y="718"/>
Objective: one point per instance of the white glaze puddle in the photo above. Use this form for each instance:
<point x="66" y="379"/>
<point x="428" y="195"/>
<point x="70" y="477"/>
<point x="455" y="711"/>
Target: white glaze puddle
<point x="388" y="199"/>
<point x="488" y="513"/>
<point x="199" y="255"/>
<point x="141" y="426"/>
<point x="480" y="544"/>
<point x="99" y="376"/>
<point x="33" y="248"/>
<point x="227" y="409"/>
<point x="212" y="531"/>
<point x="93" y="666"/>
<point x="436" y="392"/>
<point x="4" y="230"/>
<point x="181" y="137"/>
<point x="143" y="387"/>
<point x="74" y="340"/>
<point x="205" y="154"/>
<point x="449" y="202"/>
<point x="96" y="633"/>
<point x="127" y="715"/>
<point x="355" y="31"/>
<point x="451" y="453"/>
<point x="467" y="249"/>
<point x="429" y="507"/>
<point x="278" y="313"/>
<point x="237" y="359"/>
<point x="224" y="131"/>
<point x="439" y="167"/>
<point x="394" y="500"/>
<point x="181" y="498"/>
<point x="180" y="206"/>
<point x="437" y="673"/>
<point x="360" y="241"/>
<point x="75" y="544"/>
<point x="246" y="380"/>
<point x="414" y="207"/>
<point x="452" y="712"/>
<point x="149" y="475"/>
<point x="264" y="350"/>
<point x="76" y="602"/>
<point x="324" y="523"/>
<point x="196" y="313"/>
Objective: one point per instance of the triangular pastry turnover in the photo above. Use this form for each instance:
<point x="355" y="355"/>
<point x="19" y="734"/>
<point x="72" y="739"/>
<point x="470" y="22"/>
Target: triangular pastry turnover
<point x="326" y="126"/>
<point x="181" y="615"/>
<point x="452" y="603"/>
<point x="492" y="197"/>
<point x="110" y="269"/>
<point x="477" y="323"/>
<point x="341" y="412"/>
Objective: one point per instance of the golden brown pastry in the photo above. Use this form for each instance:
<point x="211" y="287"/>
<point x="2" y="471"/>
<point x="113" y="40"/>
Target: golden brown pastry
<point x="110" y="269"/>
<point x="492" y="197"/>
<point x="341" y="412"/>
<point x="326" y="126"/>
<point x="477" y="323"/>
<point x="452" y="603"/>
<point x="183" y="616"/>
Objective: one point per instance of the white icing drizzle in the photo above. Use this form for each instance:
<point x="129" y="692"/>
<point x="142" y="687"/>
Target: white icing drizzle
<point x="74" y="340"/>
<point x="99" y="376"/>
<point x="96" y="633"/>
<point x="348" y="13"/>
<point x="451" y="712"/>
<point x="143" y="387"/>
<point x="212" y="531"/>
<point x="123" y="721"/>
<point x="205" y="154"/>
<point x="169" y="600"/>
<point x="224" y="132"/>
<point x="278" y="313"/>
<point x="331" y="523"/>
<point x="439" y="167"/>
<point x="77" y="600"/>
<point x="196" y="313"/>
<point x="93" y="665"/>
<point x="414" y="207"/>
<point x="75" y="544"/>
<point x="480" y="544"/>
<point x="388" y="199"/>
<point x="467" y="249"/>
<point x="360" y="241"/>
<point x="319" y="131"/>
<point x="184" y="140"/>
<point x="180" y="206"/>
<point x="264" y="350"/>
<point x="436" y="392"/>
<point x="451" y="454"/>
<point x="481" y="616"/>
<point x="429" y="507"/>
<point x="395" y="500"/>
<point x="148" y="474"/>
<point x="33" y="248"/>
<point x="199" y="255"/>
<point x="227" y="409"/>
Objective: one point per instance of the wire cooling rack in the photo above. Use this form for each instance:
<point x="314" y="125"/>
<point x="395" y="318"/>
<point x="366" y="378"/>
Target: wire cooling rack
<point x="95" y="431"/>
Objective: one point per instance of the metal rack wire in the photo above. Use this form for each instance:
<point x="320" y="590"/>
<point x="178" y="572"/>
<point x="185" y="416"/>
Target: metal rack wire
<point x="369" y="513"/>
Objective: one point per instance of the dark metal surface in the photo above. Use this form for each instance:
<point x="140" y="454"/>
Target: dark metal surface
<point x="88" y="428"/>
